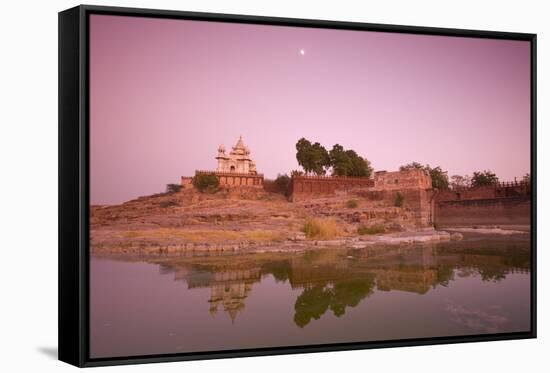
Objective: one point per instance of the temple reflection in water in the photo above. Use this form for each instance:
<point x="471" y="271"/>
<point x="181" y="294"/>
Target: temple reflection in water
<point x="337" y="279"/>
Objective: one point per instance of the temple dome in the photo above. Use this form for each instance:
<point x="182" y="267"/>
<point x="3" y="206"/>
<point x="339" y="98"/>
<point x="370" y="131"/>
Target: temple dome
<point x="239" y="145"/>
<point x="237" y="161"/>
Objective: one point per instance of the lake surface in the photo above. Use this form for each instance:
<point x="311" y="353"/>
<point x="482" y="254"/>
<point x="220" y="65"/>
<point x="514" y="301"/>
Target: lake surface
<point x="169" y="305"/>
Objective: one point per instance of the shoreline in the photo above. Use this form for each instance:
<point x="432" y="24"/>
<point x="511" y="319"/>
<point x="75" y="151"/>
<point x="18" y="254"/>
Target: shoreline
<point x="299" y="243"/>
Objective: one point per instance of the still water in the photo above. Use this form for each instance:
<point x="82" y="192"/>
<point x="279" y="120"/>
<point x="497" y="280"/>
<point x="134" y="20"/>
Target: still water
<point x="168" y="305"/>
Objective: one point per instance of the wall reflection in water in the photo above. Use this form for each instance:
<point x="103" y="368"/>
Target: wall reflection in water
<point x="337" y="279"/>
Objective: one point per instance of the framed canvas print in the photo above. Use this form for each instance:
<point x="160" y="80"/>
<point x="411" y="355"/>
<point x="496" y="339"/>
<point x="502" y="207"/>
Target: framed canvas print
<point x="237" y="186"/>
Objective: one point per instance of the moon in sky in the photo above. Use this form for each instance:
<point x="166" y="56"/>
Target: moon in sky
<point x="302" y="52"/>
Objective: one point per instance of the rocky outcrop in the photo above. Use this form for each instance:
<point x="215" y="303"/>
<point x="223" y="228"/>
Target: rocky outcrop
<point x="235" y="220"/>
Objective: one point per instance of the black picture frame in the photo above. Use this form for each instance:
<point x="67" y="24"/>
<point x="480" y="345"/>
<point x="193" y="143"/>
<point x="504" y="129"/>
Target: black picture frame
<point x="74" y="188"/>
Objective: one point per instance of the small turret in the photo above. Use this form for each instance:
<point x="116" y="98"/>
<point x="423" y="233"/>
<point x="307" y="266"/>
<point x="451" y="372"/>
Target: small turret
<point x="221" y="152"/>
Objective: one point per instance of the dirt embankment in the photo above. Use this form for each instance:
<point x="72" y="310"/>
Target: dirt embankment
<point x="246" y="219"/>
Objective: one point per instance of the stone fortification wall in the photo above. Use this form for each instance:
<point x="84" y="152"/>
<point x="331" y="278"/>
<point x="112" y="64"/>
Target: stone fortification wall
<point x="187" y="182"/>
<point x="305" y="187"/>
<point x="499" y="204"/>
<point x="499" y="190"/>
<point x="483" y="212"/>
<point x="398" y="180"/>
<point x="413" y="186"/>
<point x="417" y="202"/>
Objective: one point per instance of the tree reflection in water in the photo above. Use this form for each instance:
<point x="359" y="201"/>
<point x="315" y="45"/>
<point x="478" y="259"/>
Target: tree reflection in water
<point x="316" y="300"/>
<point x="336" y="279"/>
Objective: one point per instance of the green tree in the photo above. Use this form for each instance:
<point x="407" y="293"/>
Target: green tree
<point x="348" y="163"/>
<point x="359" y="165"/>
<point x="440" y="180"/>
<point x="321" y="160"/>
<point x="206" y="182"/>
<point x="460" y="182"/>
<point x="340" y="161"/>
<point x="313" y="158"/>
<point x="439" y="177"/>
<point x="282" y="182"/>
<point x="485" y="177"/>
<point x="303" y="153"/>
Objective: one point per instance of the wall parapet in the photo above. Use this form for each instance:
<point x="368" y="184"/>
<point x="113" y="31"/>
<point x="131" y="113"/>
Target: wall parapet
<point x="304" y="187"/>
<point x="496" y="190"/>
<point x="228" y="179"/>
<point x="217" y="173"/>
<point x="325" y="177"/>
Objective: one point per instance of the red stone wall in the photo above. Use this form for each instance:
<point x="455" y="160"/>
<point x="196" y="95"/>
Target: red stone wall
<point x="506" y="203"/>
<point x="483" y="212"/>
<point x="232" y="180"/>
<point x="304" y="187"/>
<point x="397" y="180"/>
<point x="482" y="192"/>
<point x="186" y="182"/>
<point x="229" y="179"/>
<point x="417" y="201"/>
<point x="500" y="190"/>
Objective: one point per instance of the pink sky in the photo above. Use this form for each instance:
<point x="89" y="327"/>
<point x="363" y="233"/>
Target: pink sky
<point x="164" y="94"/>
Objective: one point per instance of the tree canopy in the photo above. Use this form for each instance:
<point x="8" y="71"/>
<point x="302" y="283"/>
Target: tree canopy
<point x="206" y="182"/>
<point x="314" y="158"/>
<point x="348" y="163"/>
<point x="460" y="182"/>
<point x="439" y="177"/>
<point x="485" y="177"/>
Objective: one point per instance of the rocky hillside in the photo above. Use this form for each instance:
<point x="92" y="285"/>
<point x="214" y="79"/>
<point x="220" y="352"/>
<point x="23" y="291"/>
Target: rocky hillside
<point x="234" y="220"/>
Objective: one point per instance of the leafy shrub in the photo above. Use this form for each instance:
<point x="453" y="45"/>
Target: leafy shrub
<point x="206" y="182"/>
<point x="398" y="201"/>
<point x="372" y="229"/>
<point x="352" y="203"/>
<point x="324" y="229"/>
<point x="282" y="182"/>
<point x="173" y="188"/>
